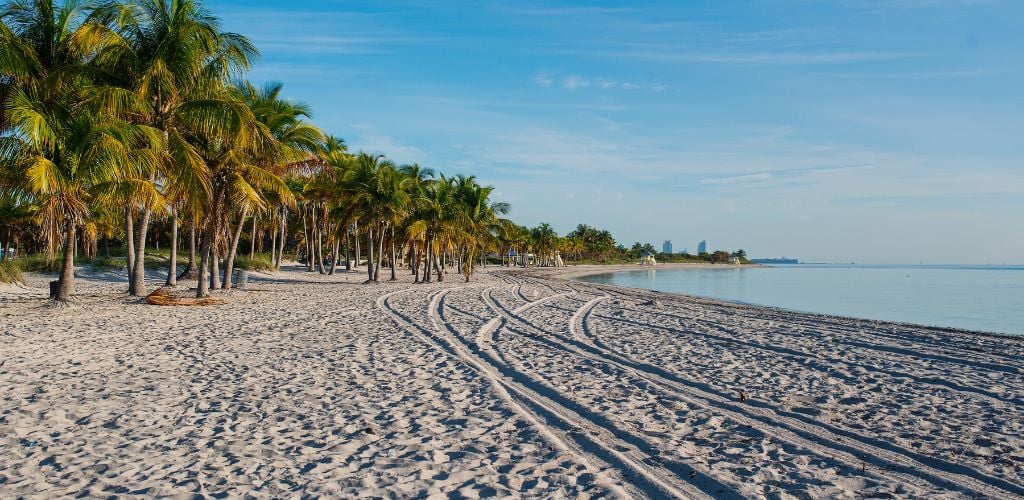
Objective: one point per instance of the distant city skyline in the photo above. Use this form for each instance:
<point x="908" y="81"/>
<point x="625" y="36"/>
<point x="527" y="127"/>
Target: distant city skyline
<point x="783" y="127"/>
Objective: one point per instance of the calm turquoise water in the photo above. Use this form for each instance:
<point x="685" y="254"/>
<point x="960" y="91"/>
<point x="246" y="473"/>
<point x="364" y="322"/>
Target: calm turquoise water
<point x="985" y="298"/>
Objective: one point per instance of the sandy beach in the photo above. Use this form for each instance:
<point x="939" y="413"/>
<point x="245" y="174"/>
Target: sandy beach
<point x="520" y="383"/>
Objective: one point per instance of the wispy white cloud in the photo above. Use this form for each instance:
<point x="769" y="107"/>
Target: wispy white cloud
<point x="573" y="82"/>
<point x="576" y="82"/>
<point x="371" y="140"/>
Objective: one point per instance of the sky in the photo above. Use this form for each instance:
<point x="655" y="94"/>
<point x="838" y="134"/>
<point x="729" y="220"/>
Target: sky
<point x="869" y="131"/>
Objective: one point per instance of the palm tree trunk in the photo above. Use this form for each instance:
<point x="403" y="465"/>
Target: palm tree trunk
<point x="172" y="266"/>
<point x="229" y="265"/>
<point x="334" y="256"/>
<point x="214" y="268"/>
<point x="273" y="246"/>
<point x="355" y="235"/>
<point x="415" y="263"/>
<point x="380" y="255"/>
<point x="394" y="256"/>
<point x="190" y="268"/>
<point x="284" y="236"/>
<point x="320" y="248"/>
<point x="204" y="265"/>
<point x="252" y="240"/>
<point x="369" y="250"/>
<point x="67" y="270"/>
<point x="309" y="244"/>
<point x="137" y="285"/>
<point x="129" y="240"/>
<point x="426" y="260"/>
<point x="348" y="259"/>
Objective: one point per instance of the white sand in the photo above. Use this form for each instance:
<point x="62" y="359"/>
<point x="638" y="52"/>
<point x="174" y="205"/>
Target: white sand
<point x="518" y="384"/>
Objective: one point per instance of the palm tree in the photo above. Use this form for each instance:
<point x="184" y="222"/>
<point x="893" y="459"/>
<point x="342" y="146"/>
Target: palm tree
<point x="379" y="198"/>
<point x="480" y="221"/>
<point x="70" y="146"/>
<point x="545" y="239"/>
<point x="162" y="58"/>
<point x="295" y="141"/>
<point x="116" y="113"/>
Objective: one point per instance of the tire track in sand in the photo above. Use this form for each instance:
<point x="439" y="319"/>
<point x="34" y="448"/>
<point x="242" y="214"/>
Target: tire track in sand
<point x="796" y="429"/>
<point x="562" y="427"/>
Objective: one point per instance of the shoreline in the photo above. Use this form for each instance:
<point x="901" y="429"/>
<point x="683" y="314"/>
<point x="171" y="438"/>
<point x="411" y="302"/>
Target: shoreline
<point x="593" y="270"/>
<point x="576" y="271"/>
<point x="517" y="383"/>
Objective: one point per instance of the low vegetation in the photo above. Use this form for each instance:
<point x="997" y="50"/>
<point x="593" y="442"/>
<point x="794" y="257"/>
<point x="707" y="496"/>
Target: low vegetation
<point x="10" y="273"/>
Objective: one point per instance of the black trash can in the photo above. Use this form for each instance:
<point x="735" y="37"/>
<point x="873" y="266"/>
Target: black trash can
<point x="54" y="289"/>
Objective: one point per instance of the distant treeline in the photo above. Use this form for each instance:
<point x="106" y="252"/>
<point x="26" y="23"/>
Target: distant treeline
<point x="590" y="245"/>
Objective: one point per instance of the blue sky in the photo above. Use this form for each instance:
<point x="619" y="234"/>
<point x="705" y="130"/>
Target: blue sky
<point x="840" y="130"/>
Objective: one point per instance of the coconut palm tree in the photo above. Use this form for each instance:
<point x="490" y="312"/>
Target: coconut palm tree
<point x="379" y="199"/>
<point x="165" y="61"/>
<point x="545" y="238"/>
<point x="295" y="142"/>
<point x="72" y="147"/>
<point x="479" y="221"/>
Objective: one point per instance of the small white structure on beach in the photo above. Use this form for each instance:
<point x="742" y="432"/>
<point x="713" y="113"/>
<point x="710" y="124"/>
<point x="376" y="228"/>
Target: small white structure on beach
<point x="647" y="259"/>
<point x="558" y="260"/>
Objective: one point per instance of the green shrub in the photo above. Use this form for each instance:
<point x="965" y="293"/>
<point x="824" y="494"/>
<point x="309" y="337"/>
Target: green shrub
<point x="9" y="273"/>
<point x="261" y="262"/>
<point x="37" y="263"/>
<point x="110" y="263"/>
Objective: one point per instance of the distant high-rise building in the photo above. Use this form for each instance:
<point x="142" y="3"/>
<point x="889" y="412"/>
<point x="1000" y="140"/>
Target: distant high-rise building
<point x="666" y="247"/>
<point x="703" y="247"/>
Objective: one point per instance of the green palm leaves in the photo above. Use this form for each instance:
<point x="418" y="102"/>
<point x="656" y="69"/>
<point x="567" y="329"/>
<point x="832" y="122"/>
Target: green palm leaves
<point x="121" y="115"/>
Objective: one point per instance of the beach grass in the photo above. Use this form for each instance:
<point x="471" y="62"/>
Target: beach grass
<point x="10" y="273"/>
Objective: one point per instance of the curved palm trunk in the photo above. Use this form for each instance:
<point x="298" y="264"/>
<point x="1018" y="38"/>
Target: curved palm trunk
<point x="229" y="264"/>
<point x="369" y="249"/>
<point x="137" y="279"/>
<point x="172" y="266"/>
<point x="67" y="270"/>
<point x="355" y="236"/>
<point x="334" y="256"/>
<point x="129" y="241"/>
<point x="309" y="243"/>
<point x="439" y="265"/>
<point x="284" y="236"/>
<point x="190" y="268"/>
<point x="273" y="246"/>
<point x="380" y="255"/>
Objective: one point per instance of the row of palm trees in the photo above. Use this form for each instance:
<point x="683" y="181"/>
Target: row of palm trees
<point x="119" y="114"/>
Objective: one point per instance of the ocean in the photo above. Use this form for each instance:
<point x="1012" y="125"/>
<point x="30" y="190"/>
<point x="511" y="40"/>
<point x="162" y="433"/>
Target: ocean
<point x="982" y="298"/>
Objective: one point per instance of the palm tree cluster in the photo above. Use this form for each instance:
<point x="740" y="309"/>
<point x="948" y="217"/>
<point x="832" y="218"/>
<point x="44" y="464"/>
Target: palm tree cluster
<point x="131" y="121"/>
<point x="544" y="244"/>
